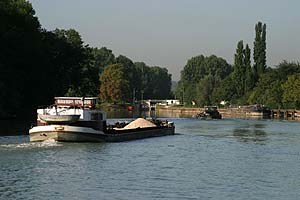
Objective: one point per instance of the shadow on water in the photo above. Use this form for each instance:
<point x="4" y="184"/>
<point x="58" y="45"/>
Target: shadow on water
<point x="250" y="132"/>
<point x="238" y="129"/>
<point x="15" y="126"/>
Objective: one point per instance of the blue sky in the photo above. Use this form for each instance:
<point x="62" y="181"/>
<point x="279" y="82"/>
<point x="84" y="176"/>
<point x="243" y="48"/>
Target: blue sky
<point x="169" y="32"/>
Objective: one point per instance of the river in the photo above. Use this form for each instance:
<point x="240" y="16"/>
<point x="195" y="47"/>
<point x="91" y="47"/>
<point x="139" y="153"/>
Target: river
<point x="206" y="159"/>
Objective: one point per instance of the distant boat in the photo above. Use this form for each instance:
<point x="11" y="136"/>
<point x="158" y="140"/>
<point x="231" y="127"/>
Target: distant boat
<point x="210" y="112"/>
<point x="257" y="110"/>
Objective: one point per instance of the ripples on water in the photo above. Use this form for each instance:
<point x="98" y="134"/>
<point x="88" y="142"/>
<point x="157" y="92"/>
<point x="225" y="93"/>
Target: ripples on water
<point x="27" y="145"/>
<point x="208" y="159"/>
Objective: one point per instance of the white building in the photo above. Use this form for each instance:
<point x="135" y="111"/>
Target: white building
<point x="172" y="102"/>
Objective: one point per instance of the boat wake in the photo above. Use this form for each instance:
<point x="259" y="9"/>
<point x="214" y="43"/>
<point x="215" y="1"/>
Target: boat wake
<point x="44" y="144"/>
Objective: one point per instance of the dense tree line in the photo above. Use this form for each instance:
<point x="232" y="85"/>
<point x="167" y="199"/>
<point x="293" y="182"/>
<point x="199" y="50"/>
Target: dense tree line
<point x="137" y="79"/>
<point x="37" y="64"/>
<point x="199" y="78"/>
<point x="279" y="87"/>
<point x="241" y="83"/>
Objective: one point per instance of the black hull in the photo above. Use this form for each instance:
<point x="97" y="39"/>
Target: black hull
<point x="140" y="133"/>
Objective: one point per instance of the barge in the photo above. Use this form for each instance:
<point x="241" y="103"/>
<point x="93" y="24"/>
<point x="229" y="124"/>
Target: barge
<point x="75" y="119"/>
<point x="210" y="112"/>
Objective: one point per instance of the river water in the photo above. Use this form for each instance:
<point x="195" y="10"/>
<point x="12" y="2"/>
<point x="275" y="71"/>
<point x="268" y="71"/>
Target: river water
<point x="206" y="159"/>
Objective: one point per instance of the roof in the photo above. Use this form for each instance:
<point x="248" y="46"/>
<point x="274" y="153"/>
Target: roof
<point x="76" y="98"/>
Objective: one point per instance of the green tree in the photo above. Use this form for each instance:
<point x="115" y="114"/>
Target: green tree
<point x="114" y="84"/>
<point x="143" y="91"/>
<point x="102" y="57"/>
<point x="196" y="69"/>
<point x="226" y="91"/>
<point x="291" y="92"/>
<point x="36" y="64"/>
<point x="160" y="83"/>
<point x="19" y="58"/>
<point x="89" y="75"/>
<point x="249" y="77"/>
<point x="186" y="92"/>
<point x="131" y="74"/>
<point x="204" y="91"/>
<point x="275" y="94"/>
<point x="78" y="73"/>
<point x="154" y="82"/>
<point x="239" y="72"/>
<point x="71" y="36"/>
<point x="286" y="69"/>
<point x="267" y="91"/>
<point x="242" y="74"/>
<point x="259" y="52"/>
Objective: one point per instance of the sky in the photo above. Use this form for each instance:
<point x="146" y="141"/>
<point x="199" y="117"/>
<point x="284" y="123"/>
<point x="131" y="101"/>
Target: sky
<point x="167" y="33"/>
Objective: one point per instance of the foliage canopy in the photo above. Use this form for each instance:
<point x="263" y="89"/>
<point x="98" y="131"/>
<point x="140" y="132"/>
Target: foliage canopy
<point x="36" y="64"/>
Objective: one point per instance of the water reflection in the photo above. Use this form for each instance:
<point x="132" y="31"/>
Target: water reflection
<point x="174" y="114"/>
<point x="250" y="132"/>
<point x="124" y="113"/>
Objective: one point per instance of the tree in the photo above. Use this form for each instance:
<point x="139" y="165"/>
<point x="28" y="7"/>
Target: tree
<point x="286" y="69"/>
<point x="160" y="83"/>
<point x="20" y="54"/>
<point x="142" y="89"/>
<point x="242" y="74"/>
<point x="196" y="69"/>
<point x="82" y="78"/>
<point x="114" y="84"/>
<point x="102" y="57"/>
<point x="89" y="76"/>
<point x="131" y="74"/>
<point x="275" y="87"/>
<point x="249" y="77"/>
<point x="204" y="91"/>
<point x="268" y="90"/>
<point x="36" y="64"/>
<point x="71" y="36"/>
<point x="239" y="72"/>
<point x="155" y="82"/>
<point x="259" y="52"/>
<point x="226" y="91"/>
<point x="291" y="92"/>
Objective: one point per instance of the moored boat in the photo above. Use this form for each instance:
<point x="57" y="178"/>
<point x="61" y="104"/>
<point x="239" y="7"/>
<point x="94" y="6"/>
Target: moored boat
<point x="210" y="112"/>
<point x="75" y="119"/>
<point x="257" y="110"/>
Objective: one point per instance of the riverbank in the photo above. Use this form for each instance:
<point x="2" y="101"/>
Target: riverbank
<point x="21" y="126"/>
<point x="232" y="112"/>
